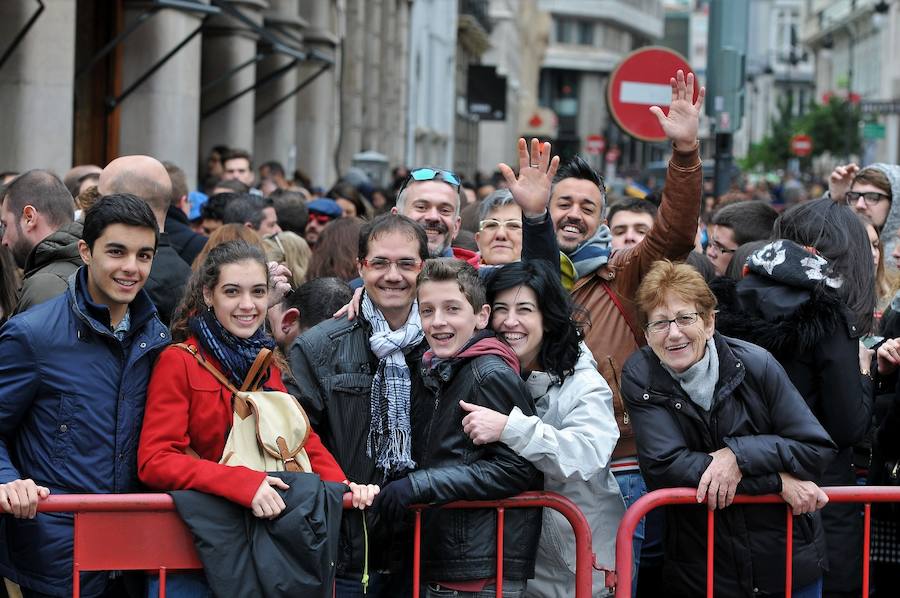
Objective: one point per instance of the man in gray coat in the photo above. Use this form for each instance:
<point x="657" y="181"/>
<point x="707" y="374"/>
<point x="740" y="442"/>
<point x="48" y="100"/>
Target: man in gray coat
<point x="37" y="216"/>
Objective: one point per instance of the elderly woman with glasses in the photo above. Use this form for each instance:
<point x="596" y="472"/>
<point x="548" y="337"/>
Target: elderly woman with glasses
<point x="721" y="415"/>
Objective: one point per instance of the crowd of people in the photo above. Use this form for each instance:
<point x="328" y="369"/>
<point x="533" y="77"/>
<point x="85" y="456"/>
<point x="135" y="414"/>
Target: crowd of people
<point x="449" y="341"/>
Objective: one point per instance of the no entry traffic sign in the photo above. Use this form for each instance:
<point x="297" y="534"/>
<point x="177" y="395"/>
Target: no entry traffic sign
<point x="801" y="145"/>
<point x="641" y="80"/>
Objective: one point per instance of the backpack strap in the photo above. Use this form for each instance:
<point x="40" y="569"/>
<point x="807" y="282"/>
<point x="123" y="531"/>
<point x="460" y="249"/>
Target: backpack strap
<point x="222" y="378"/>
<point x="257" y="371"/>
<point x="638" y="336"/>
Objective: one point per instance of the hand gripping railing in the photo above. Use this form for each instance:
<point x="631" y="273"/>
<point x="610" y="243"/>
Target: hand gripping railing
<point x="688" y="496"/>
<point x="143" y="532"/>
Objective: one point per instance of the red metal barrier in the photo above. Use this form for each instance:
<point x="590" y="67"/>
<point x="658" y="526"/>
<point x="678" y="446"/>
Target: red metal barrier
<point x="688" y="496"/>
<point x="143" y="532"/>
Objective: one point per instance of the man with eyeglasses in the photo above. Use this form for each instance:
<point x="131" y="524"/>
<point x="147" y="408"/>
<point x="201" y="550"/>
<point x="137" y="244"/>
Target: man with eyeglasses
<point x="355" y="378"/>
<point x="870" y="191"/>
<point x="735" y="224"/>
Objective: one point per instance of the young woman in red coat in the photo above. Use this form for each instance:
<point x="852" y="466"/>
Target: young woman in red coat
<point x="222" y="315"/>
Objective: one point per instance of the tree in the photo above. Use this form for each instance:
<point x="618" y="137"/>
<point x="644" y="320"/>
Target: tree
<point x="834" y="127"/>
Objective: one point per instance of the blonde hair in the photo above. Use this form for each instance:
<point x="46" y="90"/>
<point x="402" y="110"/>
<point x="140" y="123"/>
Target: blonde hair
<point x="291" y="250"/>
<point x="681" y="280"/>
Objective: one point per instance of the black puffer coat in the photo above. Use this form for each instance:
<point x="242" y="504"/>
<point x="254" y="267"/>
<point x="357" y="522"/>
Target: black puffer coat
<point x="813" y="337"/>
<point x="759" y="415"/>
<point x="462" y="544"/>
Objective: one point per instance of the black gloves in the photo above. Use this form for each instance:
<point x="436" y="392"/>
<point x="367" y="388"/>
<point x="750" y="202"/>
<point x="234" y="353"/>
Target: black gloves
<point x="394" y="498"/>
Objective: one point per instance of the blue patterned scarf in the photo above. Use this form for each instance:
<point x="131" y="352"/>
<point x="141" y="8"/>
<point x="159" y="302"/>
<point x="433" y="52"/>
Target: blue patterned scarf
<point x="234" y="354"/>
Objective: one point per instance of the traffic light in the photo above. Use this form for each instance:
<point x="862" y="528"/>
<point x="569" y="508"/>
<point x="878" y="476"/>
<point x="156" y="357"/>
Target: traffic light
<point x="726" y="64"/>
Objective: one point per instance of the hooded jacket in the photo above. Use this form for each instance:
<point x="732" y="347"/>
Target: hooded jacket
<point x="49" y="265"/>
<point x="760" y="416"/>
<point x="608" y="292"/>
<point x="892" y="223"/>
<point x="809" y="331"/>
<point x="570" y="440"/>
<point x="71" y="405"/>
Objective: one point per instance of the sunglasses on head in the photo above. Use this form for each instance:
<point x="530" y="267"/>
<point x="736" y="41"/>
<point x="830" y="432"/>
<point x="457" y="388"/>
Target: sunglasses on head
<point x="430" y="174"/>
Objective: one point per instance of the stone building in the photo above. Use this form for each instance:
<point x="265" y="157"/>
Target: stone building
<point x="309" y="83"/>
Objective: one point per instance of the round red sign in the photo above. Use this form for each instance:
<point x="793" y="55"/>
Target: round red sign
<point x="641" y="80"/>
<point x="801" y="145"/>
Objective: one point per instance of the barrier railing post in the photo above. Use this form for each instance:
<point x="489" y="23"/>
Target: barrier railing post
<point x="500" y="522"/>
<point x="710" y="556"/>
<point x="867" y="543"/>
<point x="417" y="553"/>
<point x="789" y="554"/>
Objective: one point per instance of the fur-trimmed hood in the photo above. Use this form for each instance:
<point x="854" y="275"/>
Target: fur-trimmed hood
<point x="782" y="319"/>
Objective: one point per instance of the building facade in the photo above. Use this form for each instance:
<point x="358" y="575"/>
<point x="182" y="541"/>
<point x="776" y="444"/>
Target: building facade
<point x="779" y="69"/>
<point x="855" y="44"/>
<point x="587" y="39"/>
<point x="309" y="83"/>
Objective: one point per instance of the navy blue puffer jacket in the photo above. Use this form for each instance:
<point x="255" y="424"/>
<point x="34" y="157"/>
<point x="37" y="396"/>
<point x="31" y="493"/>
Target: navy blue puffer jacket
<point x="71" y="406"/>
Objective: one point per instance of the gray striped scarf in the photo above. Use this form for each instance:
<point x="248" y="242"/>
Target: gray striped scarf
<point x="390" y="435"/>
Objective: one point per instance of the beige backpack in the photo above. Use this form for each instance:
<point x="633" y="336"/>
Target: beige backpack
<point x="268" y="429"/>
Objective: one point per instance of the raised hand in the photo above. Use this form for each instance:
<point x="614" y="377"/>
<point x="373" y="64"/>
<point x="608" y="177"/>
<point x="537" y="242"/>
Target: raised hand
<point x="840" y="179"/>
<point x="683" y="119"/>
<point x="531" y="189"/>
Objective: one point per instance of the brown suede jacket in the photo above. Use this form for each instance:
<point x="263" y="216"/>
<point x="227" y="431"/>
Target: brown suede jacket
<point x="608" y="293"/>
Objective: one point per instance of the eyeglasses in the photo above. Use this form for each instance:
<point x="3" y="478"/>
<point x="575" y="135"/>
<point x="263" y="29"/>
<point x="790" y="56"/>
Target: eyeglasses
<point x="380" y="264"/>
<point x="721" y="248"/>
<point x="492" y="225"/>
<point x="870" y="197"/>
<point x="320" y="218"/>
<point x="681" y="320"/>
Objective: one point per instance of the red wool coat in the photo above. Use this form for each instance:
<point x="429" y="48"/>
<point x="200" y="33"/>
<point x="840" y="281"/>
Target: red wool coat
<point x="187" y="406"/>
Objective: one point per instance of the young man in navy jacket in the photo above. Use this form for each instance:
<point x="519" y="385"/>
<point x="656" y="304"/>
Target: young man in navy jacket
<point x="73" y="380"/>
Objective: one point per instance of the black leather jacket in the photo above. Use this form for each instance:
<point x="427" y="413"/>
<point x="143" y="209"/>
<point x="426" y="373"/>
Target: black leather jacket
<point x="462" y="544"/>
<point x="761" y="417"/>
<point x="333" y="367"/>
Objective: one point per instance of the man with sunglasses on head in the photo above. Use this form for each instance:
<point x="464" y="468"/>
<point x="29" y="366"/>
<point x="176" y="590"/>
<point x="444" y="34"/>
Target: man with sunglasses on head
<point x="430" y="196"/>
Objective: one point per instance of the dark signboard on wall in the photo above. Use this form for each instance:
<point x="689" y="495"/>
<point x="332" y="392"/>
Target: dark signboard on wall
<point x="486" y="93"/>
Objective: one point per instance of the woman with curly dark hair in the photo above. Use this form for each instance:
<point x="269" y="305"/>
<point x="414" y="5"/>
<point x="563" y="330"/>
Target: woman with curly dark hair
<point x="572" y="437"/>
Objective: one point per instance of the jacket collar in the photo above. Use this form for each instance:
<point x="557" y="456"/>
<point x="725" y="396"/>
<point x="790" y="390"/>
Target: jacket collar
<point x="97" y="317"/>
<point x="59" y="246"/>
<point x="731" y="372"/>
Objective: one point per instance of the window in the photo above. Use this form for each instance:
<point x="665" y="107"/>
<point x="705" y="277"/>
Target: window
<point x="585" y="33"/>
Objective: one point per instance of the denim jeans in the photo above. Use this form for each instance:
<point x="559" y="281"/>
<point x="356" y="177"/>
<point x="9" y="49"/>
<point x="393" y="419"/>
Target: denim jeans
<point x="632" y="487"/>
<point x="180" y="585"/>
<point x="813" y="590"/>
<point x="512" y="588"/>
